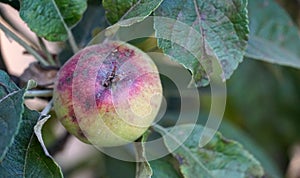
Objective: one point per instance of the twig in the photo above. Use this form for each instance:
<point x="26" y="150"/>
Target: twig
<point x="46" y="110"/>
<point x="38" y="93"/>
<point x="44" y="48"/>
<point x="24" y="44"/>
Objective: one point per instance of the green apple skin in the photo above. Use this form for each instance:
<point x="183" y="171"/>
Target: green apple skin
<point x="108" y="94"/>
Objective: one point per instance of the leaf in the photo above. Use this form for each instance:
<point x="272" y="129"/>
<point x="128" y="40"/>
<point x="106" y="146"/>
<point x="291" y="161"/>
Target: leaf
<point x="273" y="37"/>
<point x="26" y="158"/>
<point x="120" y="9"/>
<point x="48" y="18"/>
<point x="143" y="168"/>
<point x="38" y="132"/>
<point x="232" y="132"/>
<point x="163" y="168"/>
<point x="200" y="29"/>
<point x="219" y="158"/>
<point x="142" y="8"/>
<point x="115" y="9"/>
<point x="11" y="108"/>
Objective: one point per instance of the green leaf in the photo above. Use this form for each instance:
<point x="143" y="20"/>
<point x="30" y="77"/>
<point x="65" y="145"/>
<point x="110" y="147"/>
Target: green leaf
<point x="143" y="168"/>
<point x="232" y="132"/>
<point x="219" y="158"/>
<point x="163" y="168"/>
<point x="26" y="158"/>
<point x="11" y="108"/>
<point x="200" y="29"/>
<point x="273" y="37"/>
<point x="121" y="9"/>
<point x="115" y="9"/>
<point x="48" y="18"/>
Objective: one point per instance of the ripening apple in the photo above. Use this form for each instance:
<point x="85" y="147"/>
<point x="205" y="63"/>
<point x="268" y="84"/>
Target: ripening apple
<point x="108" y="94"/>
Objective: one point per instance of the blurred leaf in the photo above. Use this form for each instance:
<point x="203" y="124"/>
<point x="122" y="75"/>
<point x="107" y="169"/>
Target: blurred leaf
<point x="232" y="132"/>
<point x="13" y="3"/>
<point x="143" y="168"/>
<point x="26" y="158"/>
<point x="201" y="29"/>
<point x="116" y="9"/>
<point x="11" y="109"/>
<point x="273" y="37"/>
<point x="263" y="99"/>
<point x="121" y="9"/>
<point x="163" y="168"/>
<point x="116" y="168"/>
<point x="219" y="158"/>
<point x="49" y="22"/>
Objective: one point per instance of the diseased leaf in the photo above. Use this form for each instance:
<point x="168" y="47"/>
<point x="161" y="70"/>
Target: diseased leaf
<point x="143" y="168"/>
<point x="11" y="109"/>
<point x="120" y="9"/>
<point x="202" y="29"/>
<point x="219" y="158"/>
<point x="47" y="21"/>
<point x="26" y="158"/>
<point x="273" y="37"/>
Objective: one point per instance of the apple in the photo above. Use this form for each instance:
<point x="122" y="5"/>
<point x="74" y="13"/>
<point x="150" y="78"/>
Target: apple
<point x="108" y="94"/>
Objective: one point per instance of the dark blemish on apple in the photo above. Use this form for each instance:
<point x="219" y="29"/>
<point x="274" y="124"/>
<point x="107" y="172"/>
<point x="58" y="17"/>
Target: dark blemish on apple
<point x="64" y="82"/>
<point x="110" y="76"/>
<point x="72" y="115"/>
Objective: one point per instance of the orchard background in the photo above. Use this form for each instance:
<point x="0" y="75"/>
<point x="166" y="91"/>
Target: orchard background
<point x="255" y="43"/>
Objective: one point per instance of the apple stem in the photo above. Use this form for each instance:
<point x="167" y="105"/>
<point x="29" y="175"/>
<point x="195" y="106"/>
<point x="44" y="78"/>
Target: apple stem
<point x="38" y="93"/>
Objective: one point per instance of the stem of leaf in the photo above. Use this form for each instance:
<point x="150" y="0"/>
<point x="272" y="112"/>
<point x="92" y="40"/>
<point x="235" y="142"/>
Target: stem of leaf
<point x="70" y="35"/>
<point x="38" y="93"/>
<point x="46" y="110"/>
<point x="24" y="44"/>
<point x="44" y="48"/>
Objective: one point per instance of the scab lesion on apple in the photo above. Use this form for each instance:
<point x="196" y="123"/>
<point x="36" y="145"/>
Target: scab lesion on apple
<point x="117" y="81"/>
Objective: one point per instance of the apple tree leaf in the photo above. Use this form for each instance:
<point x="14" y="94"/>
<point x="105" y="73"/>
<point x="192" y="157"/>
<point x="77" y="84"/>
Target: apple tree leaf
<point x="25" y="157"/>
<point x="49" y="18"/>
<point x="273" y="36"/>
<point x="163" y="168"/>
<point x="11" y="108"/>
<point x="121" y="9"/>
<point x="214" y="27"/>
<point x="219" y="158"/>
<point x="231" y="131"/>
